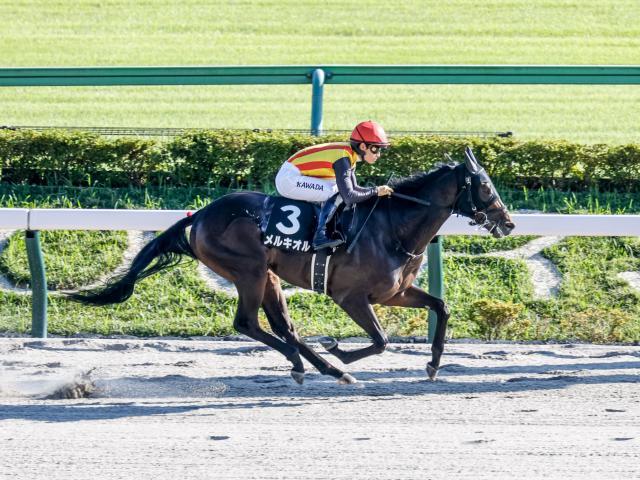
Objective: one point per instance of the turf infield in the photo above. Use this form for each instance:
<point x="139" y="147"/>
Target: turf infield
<point x="83" y="33"/>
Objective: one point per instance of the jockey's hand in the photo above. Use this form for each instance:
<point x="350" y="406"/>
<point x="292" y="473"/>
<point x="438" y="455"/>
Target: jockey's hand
<point x="384" y="190"/>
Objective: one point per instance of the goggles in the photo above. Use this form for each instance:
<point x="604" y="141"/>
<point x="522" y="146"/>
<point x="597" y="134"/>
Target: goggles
<point x="375" y="149"/>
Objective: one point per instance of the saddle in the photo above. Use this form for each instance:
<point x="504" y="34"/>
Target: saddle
<point x="290" y="224"/>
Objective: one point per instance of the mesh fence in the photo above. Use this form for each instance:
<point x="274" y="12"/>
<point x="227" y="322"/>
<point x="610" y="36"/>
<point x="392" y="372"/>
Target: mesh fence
<point x="173" y="132"/>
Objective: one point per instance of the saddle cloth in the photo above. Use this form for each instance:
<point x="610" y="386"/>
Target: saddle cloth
<point x="290" y="224"/>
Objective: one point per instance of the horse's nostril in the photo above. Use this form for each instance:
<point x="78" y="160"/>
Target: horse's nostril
<point x="510" y="225"/>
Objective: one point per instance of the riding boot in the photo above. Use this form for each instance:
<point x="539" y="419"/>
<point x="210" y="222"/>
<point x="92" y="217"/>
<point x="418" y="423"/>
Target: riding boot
<point x="320" y="239"/>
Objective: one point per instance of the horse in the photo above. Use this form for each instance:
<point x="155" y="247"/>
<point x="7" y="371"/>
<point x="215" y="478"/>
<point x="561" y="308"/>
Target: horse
<point x="379" y="267"/>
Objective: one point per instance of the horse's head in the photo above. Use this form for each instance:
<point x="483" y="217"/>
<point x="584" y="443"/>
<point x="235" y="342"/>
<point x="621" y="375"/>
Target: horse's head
<point x="478" y="199"/>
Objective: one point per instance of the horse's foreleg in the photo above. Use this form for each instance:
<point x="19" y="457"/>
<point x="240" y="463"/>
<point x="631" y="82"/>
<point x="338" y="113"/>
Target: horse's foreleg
<point x="414" y="297"/>
<point x="274" y="305"/>
<point x="360" y="310"/>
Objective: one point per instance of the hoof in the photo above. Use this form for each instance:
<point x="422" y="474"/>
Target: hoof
<point x="347" y="379"/>
<point x="329" y="343"/>
<point x="432" y="372"/>
<point x="298" y="377"/>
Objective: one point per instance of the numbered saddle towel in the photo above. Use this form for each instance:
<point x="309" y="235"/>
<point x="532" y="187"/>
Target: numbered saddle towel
<point x="289" y="224"/>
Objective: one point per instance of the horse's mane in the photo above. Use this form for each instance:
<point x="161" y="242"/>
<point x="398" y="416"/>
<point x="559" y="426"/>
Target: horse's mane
<point x="410" y="185"/>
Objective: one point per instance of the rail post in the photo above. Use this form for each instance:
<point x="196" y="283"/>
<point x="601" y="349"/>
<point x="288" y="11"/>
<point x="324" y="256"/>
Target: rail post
<point x="436" y="279"/>
<point x="317" y="92"/>
<point x="38" y="285"/>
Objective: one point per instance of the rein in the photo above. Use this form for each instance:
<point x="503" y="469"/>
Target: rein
<point x="399" y="195"/>
<point x="399" y="246"/>
<point x="355" y="239"/>
<point x="394" y="235"/>
<point x="411" y="199"/>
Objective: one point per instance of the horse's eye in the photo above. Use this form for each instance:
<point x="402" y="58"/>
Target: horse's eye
<point x="486" y="188"/>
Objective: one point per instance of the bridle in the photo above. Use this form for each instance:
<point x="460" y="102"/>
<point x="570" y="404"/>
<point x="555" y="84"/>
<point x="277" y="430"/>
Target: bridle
<point x="477" y="209"/>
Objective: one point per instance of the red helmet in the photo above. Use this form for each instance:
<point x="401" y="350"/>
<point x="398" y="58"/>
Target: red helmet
<point x="370" y="133"/>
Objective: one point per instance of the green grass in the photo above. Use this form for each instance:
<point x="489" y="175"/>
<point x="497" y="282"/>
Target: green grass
<point x="590" y="278"/>
<point x="470" y="279"/>
<point x="120" y="32"/>
<point x="73" y="258"/>
<point x="86" y="33"/>
<point x="593" y="304"/>
<point x="597" y="114"/>
<point x="173" y="302"/>
<point x="30" y="196"/>
<point x="478" y="245"/>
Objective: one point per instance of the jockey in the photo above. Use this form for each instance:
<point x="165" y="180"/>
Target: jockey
<point x="325" y="173"/>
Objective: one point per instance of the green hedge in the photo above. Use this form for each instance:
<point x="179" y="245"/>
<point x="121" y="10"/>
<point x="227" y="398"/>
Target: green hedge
<point x="233" y="158"/>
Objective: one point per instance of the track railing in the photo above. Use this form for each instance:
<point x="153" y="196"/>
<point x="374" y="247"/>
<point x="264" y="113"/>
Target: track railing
<point x="35" y="220"/>
<point x="321" y="75"/>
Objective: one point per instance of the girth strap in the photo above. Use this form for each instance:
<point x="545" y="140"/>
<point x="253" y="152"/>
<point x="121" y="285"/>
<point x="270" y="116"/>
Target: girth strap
<point x="320" y="270"/>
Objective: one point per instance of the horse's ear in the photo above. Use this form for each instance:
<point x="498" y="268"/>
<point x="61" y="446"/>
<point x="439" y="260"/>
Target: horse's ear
<point x="472" y="164"/>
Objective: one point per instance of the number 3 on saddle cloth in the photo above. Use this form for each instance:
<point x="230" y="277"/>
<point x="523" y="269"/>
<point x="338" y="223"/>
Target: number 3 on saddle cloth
<point x="290" y="224"/>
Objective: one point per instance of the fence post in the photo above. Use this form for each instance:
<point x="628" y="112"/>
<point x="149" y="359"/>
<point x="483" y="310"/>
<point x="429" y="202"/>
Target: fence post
<point x="317" y="80"/>
<point x="38" y="285"/>
<point x="436" y="279"/>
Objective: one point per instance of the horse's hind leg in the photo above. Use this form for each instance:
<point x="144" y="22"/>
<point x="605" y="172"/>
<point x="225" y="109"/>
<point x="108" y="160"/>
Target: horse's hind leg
<point x="274" y="305"/>
<point x="235" y="251"/>
<point x="360" y="310"/>
<point x="250" y="294"/>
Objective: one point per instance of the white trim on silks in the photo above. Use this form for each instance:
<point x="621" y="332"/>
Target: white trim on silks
<point x="313" y="262"/>
<point x="291" y="183"/>
<point x="326" y="273"/>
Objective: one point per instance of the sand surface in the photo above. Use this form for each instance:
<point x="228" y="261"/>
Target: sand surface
<point x="174" y="409"/>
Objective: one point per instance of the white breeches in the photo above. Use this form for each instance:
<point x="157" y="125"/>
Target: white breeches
<point x="292" y="184"/>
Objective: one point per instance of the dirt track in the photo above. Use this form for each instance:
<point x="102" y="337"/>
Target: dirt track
<point x="166" y="409"/>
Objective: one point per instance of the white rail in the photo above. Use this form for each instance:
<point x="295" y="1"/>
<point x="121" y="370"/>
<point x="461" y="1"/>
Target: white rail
<point x="108" y="219"/>
<point x="36" y="219"/>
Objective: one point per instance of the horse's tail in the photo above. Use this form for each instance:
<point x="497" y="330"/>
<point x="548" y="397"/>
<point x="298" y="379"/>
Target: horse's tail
<point x="168" y="248"/>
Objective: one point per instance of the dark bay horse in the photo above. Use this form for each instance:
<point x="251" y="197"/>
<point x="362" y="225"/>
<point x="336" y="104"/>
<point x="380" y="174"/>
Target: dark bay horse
<point x="381" y="268"/>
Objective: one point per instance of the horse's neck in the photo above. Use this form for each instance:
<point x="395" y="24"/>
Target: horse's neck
<point x="424" y="222"/>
